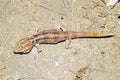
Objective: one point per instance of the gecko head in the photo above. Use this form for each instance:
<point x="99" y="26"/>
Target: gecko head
<point x="24" y="46"/>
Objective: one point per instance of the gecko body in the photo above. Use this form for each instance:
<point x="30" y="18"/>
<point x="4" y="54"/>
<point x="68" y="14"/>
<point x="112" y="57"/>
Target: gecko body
<point x="25" y="45"/>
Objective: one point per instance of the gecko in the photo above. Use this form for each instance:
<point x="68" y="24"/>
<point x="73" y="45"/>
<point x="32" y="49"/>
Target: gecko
<point x="53" y="36"/>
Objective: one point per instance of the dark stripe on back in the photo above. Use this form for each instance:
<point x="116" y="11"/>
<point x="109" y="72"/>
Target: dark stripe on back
<point x="35" y="35"/>
<point x="56" y="35"/>
<point x="46" y="37"/>
<point x="66" y="34"/>
<point x="44" y="32"/>
<point x="55" y="32"/>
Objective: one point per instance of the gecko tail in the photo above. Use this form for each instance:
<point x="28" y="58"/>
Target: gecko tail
<point x="98" y="35"/>
<point x="111" y="34"/>
<point x="92" y="35"/>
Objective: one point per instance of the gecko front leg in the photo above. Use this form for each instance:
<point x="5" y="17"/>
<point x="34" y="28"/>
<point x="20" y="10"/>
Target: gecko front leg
<point x="38" y="47"/>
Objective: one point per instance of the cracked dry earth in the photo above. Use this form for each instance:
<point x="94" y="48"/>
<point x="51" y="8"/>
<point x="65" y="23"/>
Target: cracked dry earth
<point x="88" y="59"/>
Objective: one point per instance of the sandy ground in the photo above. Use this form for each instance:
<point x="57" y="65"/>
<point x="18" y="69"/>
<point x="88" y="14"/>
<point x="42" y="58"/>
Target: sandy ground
<point x="22" y="18"/>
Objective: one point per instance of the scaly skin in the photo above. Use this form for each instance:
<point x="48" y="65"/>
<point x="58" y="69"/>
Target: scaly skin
<point x="25" y="45"/>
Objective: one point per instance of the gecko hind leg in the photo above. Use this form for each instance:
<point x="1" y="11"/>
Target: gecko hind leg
<point x="60" y="26"/>
<point x="68" y="46"/>
<point x="62" y="29"/>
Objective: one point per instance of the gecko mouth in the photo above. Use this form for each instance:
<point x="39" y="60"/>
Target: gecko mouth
<point x="19" y="53"/>
<point x="19" y="50"/>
